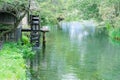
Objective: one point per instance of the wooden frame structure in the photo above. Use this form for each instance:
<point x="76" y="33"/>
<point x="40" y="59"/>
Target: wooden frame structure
<point x="8" y="20"/>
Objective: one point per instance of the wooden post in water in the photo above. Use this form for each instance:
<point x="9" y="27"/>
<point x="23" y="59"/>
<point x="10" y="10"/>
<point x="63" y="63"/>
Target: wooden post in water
<point x="44" y="29"/>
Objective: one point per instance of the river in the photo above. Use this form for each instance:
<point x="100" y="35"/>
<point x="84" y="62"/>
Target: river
<point x="76" y="53"/>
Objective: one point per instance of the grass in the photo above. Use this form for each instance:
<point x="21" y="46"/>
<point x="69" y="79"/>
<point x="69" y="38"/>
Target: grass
<point x="12" y="62"/>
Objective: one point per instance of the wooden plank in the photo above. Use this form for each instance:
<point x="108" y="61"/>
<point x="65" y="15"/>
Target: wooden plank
<point x="42" y="30"/>
<point x="29" y="30"/>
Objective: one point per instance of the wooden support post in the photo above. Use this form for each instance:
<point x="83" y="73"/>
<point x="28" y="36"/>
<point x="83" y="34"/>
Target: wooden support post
<point x="44" y="40"/>
<point x="1" y="42"/>
<point x="44" y="30"/>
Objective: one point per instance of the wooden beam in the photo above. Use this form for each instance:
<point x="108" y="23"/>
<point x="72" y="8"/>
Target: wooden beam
<point x="42" y="30"/>
<point x="28" y="30"/>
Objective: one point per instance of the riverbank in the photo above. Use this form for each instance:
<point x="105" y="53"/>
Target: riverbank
<point x="12" y="63"/>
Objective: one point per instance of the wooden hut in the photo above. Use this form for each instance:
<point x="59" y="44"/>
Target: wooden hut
<point x="7" y="21"/>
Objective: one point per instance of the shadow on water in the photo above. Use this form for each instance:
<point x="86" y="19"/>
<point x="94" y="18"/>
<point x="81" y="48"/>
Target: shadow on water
<point x="75" y="53"/>
<point x="33" y="70"/>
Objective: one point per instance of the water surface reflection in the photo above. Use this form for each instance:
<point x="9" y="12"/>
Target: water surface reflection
<point x="68" y="56"/>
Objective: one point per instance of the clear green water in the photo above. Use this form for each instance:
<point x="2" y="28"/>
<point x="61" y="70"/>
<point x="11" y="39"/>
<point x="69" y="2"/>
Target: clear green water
<point x="83" y="58"/>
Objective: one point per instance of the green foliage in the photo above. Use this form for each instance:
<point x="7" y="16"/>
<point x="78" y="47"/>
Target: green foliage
<point x="27" y="51"/>
<point x="12" y="64"/>
<point x="25" y="39"/>
<point x="50" y="10"/>
<point x="18" y="8"/>
<point x="69" y="9"/>
<point x="14" y="6"/>
<point x="88" y="8"/>
<point x="115" y="33"/>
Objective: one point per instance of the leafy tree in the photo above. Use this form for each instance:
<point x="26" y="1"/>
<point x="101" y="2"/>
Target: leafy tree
<point x="18" y="8"/>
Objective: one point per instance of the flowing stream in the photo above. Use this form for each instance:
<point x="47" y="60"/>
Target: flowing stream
<point x="75" y="53"/>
